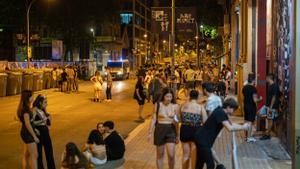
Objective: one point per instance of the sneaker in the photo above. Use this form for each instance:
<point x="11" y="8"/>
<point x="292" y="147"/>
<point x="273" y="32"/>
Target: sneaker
<point x="220" y="166"/>
<point x="251" y="140"/>
<point x="265" y="137"/>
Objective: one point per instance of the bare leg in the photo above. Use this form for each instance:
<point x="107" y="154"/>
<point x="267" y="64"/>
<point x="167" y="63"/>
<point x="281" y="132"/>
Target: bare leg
<point x="26" y="158"/>
<point x="32" y="148"/>
<point x="171" y="154"/>
<point x="160" y="151"/>
<point x="193" y="154"/>
<point x="269" y="129"/>
<point x="140" y="111"/>
<point x="186" y="156"/>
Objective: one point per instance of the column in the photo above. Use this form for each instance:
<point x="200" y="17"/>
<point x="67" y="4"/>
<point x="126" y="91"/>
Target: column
<point x="261" y="49"/>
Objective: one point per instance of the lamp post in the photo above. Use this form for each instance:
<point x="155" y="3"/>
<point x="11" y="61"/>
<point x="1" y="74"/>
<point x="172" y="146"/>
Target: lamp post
<point x="93" y="47"/>
<point x="146" y="46"/>
<point x="197" y="45"/>
<point x="28" y="31"/>
<point x="173" y="39"/>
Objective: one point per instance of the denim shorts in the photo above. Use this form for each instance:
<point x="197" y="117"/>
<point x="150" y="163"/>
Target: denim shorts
<point x="263" y="112"/>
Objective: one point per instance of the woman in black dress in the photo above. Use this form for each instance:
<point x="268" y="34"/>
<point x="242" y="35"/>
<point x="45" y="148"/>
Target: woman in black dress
<point x="140" y="96"/>
<point x="42" y="121"/>
<point x="28" y="134"/>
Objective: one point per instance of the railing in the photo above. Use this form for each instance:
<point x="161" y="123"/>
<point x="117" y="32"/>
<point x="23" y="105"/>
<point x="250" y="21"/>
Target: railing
<point x="234" y="152"/>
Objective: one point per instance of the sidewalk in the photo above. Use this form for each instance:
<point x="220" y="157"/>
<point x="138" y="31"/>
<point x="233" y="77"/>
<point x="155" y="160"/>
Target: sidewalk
<point x="141" y="154"/>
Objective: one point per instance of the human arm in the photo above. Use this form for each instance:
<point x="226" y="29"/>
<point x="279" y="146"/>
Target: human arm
<point x="93" y="79"/>
<point x="137" y="88"/>
<point x="29" y="127"/>
<point x="235" y="127"/>
<point x="153" y="121"/>
<point x="203" y="114"/>
<point x="256" y="98"/>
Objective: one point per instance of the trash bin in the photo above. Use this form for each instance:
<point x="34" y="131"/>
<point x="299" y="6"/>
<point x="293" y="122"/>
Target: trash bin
<point x="38" y="80"/>
<point x="27" y="81"/>
<point x="14" y="83"/>
<point x="3" y="82"/>
<point x="47" y="79"/>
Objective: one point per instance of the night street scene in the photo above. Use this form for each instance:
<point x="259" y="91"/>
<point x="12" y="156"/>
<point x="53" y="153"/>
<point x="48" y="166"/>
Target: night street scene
<point x="150" y="84"/>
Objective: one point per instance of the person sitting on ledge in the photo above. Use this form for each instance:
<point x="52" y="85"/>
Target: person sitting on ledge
<point x="115" y="146"/>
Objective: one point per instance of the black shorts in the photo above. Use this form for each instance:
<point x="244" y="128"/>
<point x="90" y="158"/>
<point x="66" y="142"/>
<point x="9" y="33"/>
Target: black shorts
<point x="141" y="102"/>
<point x="190" y="84"/>
<point x="249" y="113"/>
<point x="164" y="133"/>
<point x="187" y="133"/>
<point x="26" y="136"/>
<point x="198" y="83"/>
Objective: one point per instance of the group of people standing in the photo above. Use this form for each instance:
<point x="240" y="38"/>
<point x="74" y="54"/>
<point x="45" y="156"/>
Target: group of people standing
<point x="103" y="144"/>
<point x="204" y="115"/>
<point x="98" y="82"/>
<point x="66" y="79"/>
<point x="269" y="112"/>
<point x="151" y="81"/>
<point x="201" y="123"/>
<point x="35" y="121"/>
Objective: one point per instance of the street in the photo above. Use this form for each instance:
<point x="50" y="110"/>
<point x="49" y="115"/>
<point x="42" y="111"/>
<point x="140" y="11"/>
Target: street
<point x="74" y="115"/>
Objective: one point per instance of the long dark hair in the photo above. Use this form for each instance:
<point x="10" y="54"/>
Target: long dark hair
<point x="165" y="92"/>
<point x="71" y="152"/>
<point x="24" y="105"/>
<point x="38" y="102"/>
<point x="95" y="137"/>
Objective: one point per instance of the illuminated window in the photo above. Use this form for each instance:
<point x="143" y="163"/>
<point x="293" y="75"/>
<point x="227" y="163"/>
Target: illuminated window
<point x="126" y="18"/>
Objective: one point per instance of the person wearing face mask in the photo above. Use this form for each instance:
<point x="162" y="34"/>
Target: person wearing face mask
<point x="165" y="126"/>
<point x="42" y="121"/>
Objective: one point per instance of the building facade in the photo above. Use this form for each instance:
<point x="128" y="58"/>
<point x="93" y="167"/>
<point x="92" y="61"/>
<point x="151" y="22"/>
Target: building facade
<point x="136" y="17"/>
<point x="262" y="41"/>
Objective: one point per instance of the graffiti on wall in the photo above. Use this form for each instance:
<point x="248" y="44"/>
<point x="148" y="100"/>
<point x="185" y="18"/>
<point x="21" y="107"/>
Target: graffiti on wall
<point x="282" y="55"/>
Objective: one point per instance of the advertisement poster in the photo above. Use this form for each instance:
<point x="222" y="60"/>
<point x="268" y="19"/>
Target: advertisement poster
<point x="57" y="49"/>
<point x="161" y="21"/>
<point x="186" y="26"/>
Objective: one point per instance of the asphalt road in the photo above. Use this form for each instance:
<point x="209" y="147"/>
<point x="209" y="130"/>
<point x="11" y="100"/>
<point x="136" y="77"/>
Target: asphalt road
<point x="74" y="115"/>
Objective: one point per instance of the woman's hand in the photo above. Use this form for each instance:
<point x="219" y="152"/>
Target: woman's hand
<point x="150" y="137"/>
<point x="36" y="140"/>
<point x="177" y="140"/>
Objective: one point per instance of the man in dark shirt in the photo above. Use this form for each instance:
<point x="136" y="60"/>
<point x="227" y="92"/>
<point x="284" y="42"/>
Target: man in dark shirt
<point x="206" y="135"/>
<point x="115" y="146"/>
<point x="250" y="100"/>
<point x="270" y="110"/>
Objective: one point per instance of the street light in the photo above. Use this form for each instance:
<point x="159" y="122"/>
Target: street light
<point x="93" y="31"/>
<point x="146" y="46"/>
<point x="28" y="31"/>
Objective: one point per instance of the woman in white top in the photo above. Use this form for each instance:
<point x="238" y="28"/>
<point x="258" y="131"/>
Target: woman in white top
<point x="97" y="80"/>
<point x="95" y="150"/>
<point x="165" y="126"/>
